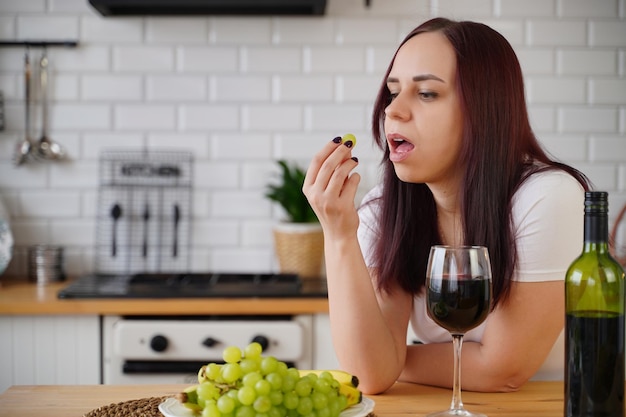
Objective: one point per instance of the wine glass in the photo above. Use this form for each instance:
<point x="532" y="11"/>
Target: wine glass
<point x="458" y="298"/>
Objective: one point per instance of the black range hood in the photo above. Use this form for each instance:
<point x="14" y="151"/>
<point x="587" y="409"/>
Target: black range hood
<point x="208" y="7"/>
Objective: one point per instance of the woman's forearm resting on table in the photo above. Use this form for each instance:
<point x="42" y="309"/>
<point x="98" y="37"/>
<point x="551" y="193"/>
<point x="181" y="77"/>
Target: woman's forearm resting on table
<point x="514" y="346"/>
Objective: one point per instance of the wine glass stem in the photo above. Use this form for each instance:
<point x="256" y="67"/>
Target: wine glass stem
<point x="457" y="343"/>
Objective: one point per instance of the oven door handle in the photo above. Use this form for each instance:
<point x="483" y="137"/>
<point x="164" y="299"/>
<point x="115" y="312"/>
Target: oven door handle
<point x="168" y="367"/>
<point x="161" y="367"/>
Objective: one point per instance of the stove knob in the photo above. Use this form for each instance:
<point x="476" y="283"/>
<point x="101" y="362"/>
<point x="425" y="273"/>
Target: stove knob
<point x="210" y="342"/>
<point x="261" y="340"/>
<point x="158" y="343"/>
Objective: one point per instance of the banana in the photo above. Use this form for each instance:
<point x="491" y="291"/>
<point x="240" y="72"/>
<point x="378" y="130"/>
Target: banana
<point x="346" y="387"/>
<point x="352" y="394"/>
<point x="205" y="372"/>
<point x="202" y="374"/>
<point x="348" y="384"/>
<point x="189" y="398"/>
<point x="341" y="376"/>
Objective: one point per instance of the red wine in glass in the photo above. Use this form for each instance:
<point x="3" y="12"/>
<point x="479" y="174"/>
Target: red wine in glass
<point x="458" y="298"/>
<point x="458" y="305"/>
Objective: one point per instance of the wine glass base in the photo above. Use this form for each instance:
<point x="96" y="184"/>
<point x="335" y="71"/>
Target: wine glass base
<point x="457" y="412"/>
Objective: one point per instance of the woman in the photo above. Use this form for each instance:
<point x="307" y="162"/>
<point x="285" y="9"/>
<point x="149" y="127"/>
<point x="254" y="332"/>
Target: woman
<point x="461" y="166"/>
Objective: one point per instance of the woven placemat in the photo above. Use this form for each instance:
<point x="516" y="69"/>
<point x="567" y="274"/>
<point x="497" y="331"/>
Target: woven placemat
<point x="144" y="407"/>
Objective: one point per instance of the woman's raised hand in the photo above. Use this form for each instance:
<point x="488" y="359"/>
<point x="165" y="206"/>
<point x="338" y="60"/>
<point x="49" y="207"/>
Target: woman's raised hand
<point x="331" y="188"/>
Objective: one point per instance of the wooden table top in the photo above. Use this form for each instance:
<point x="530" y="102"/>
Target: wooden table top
<point x="27" y="298"/>
<point x="535" y="399"/>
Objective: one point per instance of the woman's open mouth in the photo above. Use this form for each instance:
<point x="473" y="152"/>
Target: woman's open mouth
<point x="399" y="147"/>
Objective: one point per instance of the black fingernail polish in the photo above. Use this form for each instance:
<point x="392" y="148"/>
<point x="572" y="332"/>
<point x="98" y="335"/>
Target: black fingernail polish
<point x="355" y="159"/>
<point x="348" y="143"/>
<point x="337" y="140"/>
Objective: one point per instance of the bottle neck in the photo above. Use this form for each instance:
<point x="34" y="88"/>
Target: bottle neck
<point x="596" y="231"/>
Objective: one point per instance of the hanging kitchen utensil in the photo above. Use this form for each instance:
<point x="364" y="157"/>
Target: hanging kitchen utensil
<point x="1" y="111"/>
<point x="46" y="147"/>
<point x="146" y="219"/>
<point x="176" y="221"/>
<point x="116" y="213"/>
<point x="24" y="148"/>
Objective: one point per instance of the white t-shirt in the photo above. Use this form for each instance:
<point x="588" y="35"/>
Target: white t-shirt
<point x="548" y="219"/>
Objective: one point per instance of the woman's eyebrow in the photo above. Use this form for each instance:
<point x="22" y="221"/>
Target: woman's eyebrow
<point x="427" y="77"/>
<point x="417" y="78"/>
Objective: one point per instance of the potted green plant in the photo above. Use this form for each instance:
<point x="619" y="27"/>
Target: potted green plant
<point x="298" y="239"/>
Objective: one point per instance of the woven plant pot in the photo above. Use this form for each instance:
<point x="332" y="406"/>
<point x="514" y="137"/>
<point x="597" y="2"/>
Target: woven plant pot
<point x="299" y="248"/>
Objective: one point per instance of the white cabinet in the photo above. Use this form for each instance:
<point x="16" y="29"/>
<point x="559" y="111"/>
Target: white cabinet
<point x="41" y="350"/>
<point x="323" y="352"/>
<point x="410" y="336"/>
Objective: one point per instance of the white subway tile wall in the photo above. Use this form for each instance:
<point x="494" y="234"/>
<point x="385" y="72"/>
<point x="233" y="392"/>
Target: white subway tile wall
<point x="241" y="92"/>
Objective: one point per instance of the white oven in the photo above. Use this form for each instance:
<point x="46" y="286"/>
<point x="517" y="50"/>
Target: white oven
<point x="159" y="349"/>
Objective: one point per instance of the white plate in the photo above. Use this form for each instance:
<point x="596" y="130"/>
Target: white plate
<point x="361" y="409"/>
<point x="171" y="407"/>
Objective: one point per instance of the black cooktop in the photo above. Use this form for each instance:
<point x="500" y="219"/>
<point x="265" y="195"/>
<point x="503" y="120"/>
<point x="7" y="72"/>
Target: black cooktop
<point x="192" y="285"/>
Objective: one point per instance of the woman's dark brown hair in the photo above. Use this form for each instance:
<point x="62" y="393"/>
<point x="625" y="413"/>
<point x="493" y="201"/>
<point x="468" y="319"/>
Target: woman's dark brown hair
<point x="499" y="151"/>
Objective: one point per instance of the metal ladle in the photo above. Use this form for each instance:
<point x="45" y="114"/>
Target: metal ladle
<point x="24" y="148"/>
<point x="46" y="148"/>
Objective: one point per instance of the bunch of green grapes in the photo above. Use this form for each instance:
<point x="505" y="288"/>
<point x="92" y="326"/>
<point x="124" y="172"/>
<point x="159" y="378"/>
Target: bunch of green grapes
<point x="249" y="384"/>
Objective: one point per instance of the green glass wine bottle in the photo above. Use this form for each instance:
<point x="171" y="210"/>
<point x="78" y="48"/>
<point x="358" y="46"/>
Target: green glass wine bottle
<point x="594" y="327"/>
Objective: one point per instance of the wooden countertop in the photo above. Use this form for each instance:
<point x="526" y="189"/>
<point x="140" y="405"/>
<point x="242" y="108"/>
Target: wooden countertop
<point x="27" y="298"/>
<point x="537" y="399"/>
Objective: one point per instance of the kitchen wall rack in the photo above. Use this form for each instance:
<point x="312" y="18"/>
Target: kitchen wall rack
<point x="39" y="43"/>
<point x="144" y="212"/>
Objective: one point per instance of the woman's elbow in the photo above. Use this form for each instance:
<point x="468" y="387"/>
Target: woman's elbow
<point x="374" y="384"/>
<point x="372" y="387"/>
<point x="509" y="380"/>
